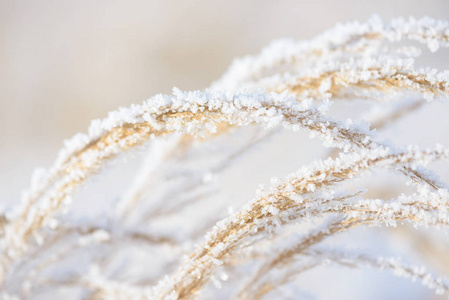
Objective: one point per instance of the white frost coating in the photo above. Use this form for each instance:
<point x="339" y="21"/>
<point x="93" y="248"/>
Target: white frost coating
<point x="289" y="85"/>
<point x="240" y="109"/>
<point x="228" y="103"/>
<point x="433" y="33"/>
<point x="354" y="163"/>
<point x="269" y="109"/>
<point x="425" y="208"/>
<point x="346" y="75"/>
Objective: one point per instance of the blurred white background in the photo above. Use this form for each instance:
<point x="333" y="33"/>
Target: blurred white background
<point x="64" y="63"/>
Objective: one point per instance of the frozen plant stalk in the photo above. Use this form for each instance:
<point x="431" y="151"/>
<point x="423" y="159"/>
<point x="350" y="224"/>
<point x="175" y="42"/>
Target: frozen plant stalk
<point x="171" y="221"/>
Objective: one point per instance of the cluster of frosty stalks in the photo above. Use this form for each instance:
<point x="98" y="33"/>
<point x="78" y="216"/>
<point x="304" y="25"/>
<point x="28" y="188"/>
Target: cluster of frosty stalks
<point x="289" y="85"/>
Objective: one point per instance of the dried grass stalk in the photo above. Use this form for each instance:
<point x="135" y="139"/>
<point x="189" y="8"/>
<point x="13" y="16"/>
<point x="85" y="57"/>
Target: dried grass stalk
<point x="288" y="86"/>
